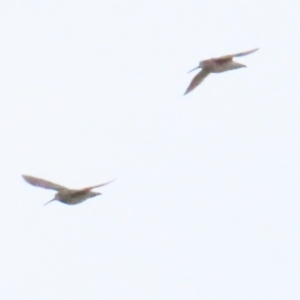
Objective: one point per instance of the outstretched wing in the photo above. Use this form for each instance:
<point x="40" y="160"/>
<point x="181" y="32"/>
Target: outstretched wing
<point x="39" y="182"/>
<point x="86" y="189"/>
<point x="197" y="80"/>
<point x="244" y="53"/>
<point x="231" y="56"/>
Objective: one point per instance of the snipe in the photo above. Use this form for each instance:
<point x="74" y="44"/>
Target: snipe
<point x="65" y="195"/>
<point x="216" y="65"/>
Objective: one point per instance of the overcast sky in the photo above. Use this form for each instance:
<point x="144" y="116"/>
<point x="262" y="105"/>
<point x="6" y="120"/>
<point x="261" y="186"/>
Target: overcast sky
<point x="205" y="204"/>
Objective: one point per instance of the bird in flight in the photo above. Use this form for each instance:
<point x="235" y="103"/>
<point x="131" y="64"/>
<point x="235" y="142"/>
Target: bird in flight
<point x="216" y="65"/>
<point x="65" y="195"/>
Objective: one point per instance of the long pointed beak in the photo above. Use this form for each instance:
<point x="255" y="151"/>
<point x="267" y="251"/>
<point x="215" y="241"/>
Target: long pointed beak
<point x="194" y="69"/>
<point x="49" y="202"/>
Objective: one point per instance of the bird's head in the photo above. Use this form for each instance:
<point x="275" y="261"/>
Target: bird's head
<point x="201" y="64"/>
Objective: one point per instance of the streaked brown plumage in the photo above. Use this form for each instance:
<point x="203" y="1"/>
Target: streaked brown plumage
<point x="65" y="195"/>
<point x="216" y="65"/>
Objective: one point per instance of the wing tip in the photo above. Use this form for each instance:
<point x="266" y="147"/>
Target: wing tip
<point x="252" y="51"/>
<point x="25" y="177"/>
<point x="186" y="92"/>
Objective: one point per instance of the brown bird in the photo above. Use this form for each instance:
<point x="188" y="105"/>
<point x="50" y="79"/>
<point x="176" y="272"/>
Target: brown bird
<point x="64" y="195"/>
<point x="216" y="65"/>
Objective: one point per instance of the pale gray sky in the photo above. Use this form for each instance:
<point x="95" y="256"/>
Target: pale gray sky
<point x="206" y="201"/>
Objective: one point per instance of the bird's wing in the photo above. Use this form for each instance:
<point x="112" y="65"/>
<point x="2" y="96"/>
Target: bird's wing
<point x="197" y="80"/>
<point x="231" y="56"/>
<point x="86" y="189"/>
<point x="39" y="182"/>
<point x="244" y="53"/>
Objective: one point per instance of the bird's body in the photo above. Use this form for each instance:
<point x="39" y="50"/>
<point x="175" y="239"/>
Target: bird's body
<point x="220" y="66"/>
<point x="73" y="197"/>
<point x="216" y="65"/>
<point x="64" y="195"/>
